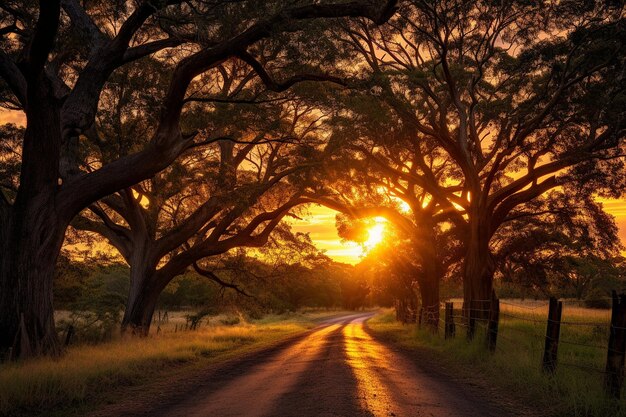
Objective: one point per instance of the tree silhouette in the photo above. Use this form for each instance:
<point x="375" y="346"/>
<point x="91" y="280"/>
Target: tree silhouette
<point x="224" y="193"/>
<point x="498" y="103"/>
<point x="56" y="58"/>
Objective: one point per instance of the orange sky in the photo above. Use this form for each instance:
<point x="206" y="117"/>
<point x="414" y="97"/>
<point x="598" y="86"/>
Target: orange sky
<point x="320" y="223"/>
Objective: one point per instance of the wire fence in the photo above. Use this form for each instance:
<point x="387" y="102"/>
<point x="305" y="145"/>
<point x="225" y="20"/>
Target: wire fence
<point x="587" y="340"/>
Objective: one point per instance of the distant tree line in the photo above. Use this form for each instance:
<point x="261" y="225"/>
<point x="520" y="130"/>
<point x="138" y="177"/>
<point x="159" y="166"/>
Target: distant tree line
<point x="94" y="290"/>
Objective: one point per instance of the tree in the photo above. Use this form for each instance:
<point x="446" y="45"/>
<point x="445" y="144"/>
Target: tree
<point x="414" y="255"/>
<point x="56" y="58"/>
<point x="372" y="187"/>
<point x="548" y="244"/>
<point x="395" y="270"/>
<point x="230" y="192"/>
<point x="499" y="102"/>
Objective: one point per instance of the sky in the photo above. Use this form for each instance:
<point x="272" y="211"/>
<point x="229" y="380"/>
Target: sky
<point x="320" y="224"/>
<point x="320" y="221"/>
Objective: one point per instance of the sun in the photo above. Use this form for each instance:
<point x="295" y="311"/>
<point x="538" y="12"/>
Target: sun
<point x="376" y="234"/>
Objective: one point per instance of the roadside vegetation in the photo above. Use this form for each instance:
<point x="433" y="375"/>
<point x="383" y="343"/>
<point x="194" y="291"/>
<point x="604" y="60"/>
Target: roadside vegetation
<point x="576" y="390"/>
<point x="89" y="375"/>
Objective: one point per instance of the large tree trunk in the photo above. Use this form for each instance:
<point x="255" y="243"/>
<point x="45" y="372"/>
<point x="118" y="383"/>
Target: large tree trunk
<point x="431" y="273"/>
<point x="478" y="271"/>
<point x="26" y="281"/>
<point x="31" y="237"/>
<point x="146" y="285"/>
<point x="139" y="311"/>
<point x="144" y="291"/>
<point x="429" y="281"/>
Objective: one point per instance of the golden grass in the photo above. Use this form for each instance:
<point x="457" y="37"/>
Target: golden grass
<point x="86" y="372"/>
<point x="575" y="390"/>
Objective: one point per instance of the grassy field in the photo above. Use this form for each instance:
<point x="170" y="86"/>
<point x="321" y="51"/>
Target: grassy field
<point x="89" y="375"/>
<point x="515" y="368"/>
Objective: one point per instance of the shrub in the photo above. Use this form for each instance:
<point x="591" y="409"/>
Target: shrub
<point x="95" y="315"/>
<point x="230" y="320"/>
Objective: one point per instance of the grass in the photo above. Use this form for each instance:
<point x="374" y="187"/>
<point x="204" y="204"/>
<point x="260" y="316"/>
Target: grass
<point x="576" y="390"/>
<point x="86" y="376"/>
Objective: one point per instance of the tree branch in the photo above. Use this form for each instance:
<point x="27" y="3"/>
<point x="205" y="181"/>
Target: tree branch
<point x="279" y="87"/>
<point x="167" y="144"/>
<point x="12" y="75"/>
<point x="83" y="22"/>
<point x="44" y="37"/>
<point x="149" y="48"/>
<point x="362" y="212"/>
<point x="210" y="275"/>
<point x="119" y="241"/>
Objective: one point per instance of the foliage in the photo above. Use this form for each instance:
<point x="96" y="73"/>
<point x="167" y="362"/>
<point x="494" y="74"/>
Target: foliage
<point x="95" y="314"/>
<point x="469" y="112"/>
<point x="557" y="248"/>
<point x="288" y="277"/>
<point x="189" y="291"/>
<point x="66" y="66"/>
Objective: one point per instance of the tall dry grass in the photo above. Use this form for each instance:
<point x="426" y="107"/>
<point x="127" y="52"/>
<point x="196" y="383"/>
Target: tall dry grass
<point x="84" y="374"/>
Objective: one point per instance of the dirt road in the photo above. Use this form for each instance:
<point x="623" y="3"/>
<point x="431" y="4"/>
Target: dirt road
<point x="336" y="370"/>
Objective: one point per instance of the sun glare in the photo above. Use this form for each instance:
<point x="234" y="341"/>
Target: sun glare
<point x="376" y="234"/>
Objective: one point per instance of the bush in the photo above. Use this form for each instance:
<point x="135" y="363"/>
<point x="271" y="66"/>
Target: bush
<point x="189" y="289"/>
<point x="230" y="320"/>
<point x="95" y="315"/>
<point x="596" y="299"/>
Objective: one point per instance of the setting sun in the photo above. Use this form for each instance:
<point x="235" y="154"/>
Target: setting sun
<point x="376" y="234"/>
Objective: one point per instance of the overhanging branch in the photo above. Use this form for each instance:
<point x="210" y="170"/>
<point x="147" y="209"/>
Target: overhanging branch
<point x="210" y="275"/>
<point x="273" y="85"/>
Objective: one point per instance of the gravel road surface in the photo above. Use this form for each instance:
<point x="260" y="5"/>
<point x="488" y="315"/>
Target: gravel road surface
<point x="336" y="370"/>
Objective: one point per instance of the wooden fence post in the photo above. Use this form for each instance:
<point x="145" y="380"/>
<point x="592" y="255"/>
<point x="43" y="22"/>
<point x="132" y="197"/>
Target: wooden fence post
<point x="492" y="325"/>
<point x="553" y="330"/>
<point x="471" y="321"/>
<point x="420" y="317"/>
<point x="449" y="317"/>
<point x="617" y="347"/>
<point x="69" y="334"/>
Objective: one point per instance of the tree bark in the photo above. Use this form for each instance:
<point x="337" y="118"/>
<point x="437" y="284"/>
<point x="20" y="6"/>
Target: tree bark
<point x="26" y="280"/>
<point x="139" y="311"/>
<point x="431" y="273"/>
<point x="144" y="287"/>
<point x="141" y="302"/>
<point x="429" y="281"/>
<point x="478" y="270"/>
<point x="32" y="234"/>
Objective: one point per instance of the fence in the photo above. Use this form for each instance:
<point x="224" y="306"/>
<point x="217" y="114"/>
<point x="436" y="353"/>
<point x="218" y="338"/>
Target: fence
<point x="578" y="341"/>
